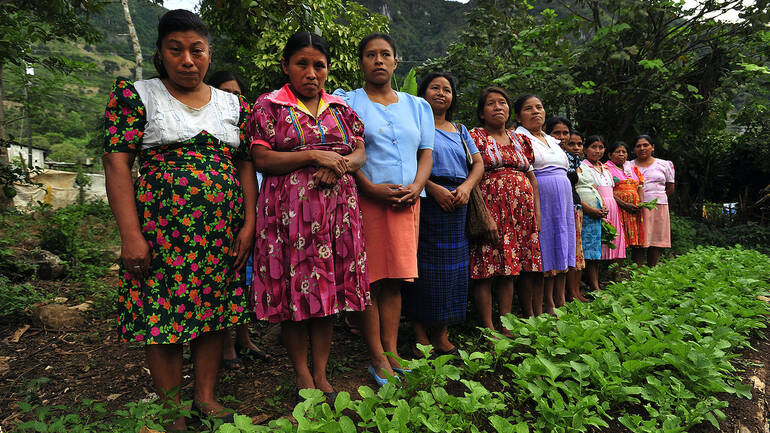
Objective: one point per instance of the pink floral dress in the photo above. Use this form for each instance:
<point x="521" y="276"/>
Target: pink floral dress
<point x="309" y="258"/>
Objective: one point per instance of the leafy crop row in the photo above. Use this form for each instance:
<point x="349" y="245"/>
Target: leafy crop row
<point x="651" y="353"/>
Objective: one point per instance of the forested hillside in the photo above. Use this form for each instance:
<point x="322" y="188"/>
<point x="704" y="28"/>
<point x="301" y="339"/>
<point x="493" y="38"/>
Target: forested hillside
<point x="422" y="29"/>
<point x="66" y="110"/>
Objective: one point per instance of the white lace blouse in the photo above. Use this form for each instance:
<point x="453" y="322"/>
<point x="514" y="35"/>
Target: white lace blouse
<point x="170" y="121"/>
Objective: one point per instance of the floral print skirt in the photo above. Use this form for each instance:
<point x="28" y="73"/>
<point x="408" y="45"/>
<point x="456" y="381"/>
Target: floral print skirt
<point x="511" y="203"/>
<point x="190" y="207"/>
<point x="309" y="257"/>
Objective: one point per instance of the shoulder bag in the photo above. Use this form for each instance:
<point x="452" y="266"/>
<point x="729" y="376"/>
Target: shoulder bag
<point x="478" y="217"/>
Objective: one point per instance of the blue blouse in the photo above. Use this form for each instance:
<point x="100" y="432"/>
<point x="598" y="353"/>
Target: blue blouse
<point x="449" y="154"/>
<point x="393" y="135"/>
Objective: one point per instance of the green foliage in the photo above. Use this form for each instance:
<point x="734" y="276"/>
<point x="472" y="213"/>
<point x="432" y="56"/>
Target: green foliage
<point x="409" y="85"/>
<point x="69" y="233"/>
<point x="15" y="298"/>
<point x="257" y="54"/>
<point x="652" y="353"/>
<point x="506" y="45"/>
<point x="24" y="24"/>
<point x="623" y="67"/>
<point x="422" y="29"/>
<point x="688" y="233"/>
<point x="11" y="172"/>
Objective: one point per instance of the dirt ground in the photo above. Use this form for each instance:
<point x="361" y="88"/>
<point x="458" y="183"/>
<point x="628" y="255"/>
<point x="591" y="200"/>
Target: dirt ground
<point x="89" y="362"/>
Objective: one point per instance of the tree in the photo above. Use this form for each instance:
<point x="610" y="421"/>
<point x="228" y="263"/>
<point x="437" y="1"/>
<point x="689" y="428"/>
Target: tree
<point x="624" y="67"/>
<point x="25" y="24"/>
<point x="506" y="46"/>
<point x="134" y="40"/>
<point x="249" y="36"/>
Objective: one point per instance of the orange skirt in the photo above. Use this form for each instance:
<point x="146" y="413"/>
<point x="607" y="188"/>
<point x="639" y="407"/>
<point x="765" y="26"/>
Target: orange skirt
<point x="633" y="223"/>
<point x="657" y="227"/>
<point x="390" y="239"/>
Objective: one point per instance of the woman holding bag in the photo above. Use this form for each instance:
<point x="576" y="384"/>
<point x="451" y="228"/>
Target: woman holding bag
<point x="438" y="297"/>
<point x="510" y="192"/>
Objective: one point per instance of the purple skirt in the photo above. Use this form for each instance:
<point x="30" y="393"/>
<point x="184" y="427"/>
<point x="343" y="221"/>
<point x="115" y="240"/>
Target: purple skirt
<point x="557" y="219"/>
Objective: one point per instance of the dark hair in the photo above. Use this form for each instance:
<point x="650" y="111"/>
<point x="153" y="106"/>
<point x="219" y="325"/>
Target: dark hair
<point x="300" y="40"/>
<point x="519" y="103"/>
<point x="483" y="101"/>
<point x="551" y="123"/>
<point x="432" y="76"/>
<point x="576" y="132"/>
<point x="384" y="36"/>
<point x="220" y="77"/>
<point x="614" y="146"/>
<point x="644" y="136"/>
<point x="592" y="139"/>
<point x="177" y="20"/>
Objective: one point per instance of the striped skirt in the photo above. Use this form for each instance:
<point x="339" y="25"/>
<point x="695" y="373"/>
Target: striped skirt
<point x="439" y="295"/>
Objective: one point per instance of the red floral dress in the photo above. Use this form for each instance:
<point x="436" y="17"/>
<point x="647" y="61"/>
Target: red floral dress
<point x="511" y="202"/>
<point x="309" y="258"/>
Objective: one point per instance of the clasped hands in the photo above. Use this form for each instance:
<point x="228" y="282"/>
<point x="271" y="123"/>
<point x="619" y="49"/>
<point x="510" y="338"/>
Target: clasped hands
<point x="450" y="200"/>
<point x="332" y="166"/>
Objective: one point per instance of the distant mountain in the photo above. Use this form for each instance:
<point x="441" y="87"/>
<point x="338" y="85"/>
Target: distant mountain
<point x="422" y="29"/>
<point x="113" y="26"/>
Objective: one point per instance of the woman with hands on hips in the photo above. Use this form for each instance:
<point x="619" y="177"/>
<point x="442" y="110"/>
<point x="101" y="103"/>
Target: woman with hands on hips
<point x="399" y="143"/>
<point x="187" y="224"/>
<point x="309" y="258"/>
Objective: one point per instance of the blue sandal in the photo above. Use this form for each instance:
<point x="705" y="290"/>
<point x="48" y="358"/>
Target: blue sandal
<point x="380" y="381"/>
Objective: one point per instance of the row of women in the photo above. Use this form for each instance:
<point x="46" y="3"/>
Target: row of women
<point x="363" y="198"/>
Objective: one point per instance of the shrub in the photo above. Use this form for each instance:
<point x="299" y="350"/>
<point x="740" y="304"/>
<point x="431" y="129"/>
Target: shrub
<point x="15" y="299"/>
<point x="77" y="235"/>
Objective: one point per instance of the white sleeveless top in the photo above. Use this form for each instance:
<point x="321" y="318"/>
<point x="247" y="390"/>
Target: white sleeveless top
<point x="170" y="121"/>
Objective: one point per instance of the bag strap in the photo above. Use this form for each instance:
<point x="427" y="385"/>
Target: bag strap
<point x="468" y="157"/>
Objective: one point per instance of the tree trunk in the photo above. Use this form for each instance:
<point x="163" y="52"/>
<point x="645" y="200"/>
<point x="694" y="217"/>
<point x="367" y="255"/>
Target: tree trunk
<point x="3" y="131"/>
<point x="134" y="40"/>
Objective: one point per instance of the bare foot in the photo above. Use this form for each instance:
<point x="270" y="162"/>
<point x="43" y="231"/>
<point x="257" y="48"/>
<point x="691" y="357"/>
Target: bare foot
<point x="212" y="408"/>
<point x="382" y="366"/>
<point x="323" y="384"/>
<point x="177" y="426"/>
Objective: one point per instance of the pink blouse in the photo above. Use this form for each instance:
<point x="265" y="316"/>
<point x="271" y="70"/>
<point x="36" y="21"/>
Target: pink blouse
<point x="656" y="176"/>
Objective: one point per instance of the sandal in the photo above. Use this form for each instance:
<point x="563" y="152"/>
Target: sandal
<point x="232" y="364"/>
<point x="248" y="352"/>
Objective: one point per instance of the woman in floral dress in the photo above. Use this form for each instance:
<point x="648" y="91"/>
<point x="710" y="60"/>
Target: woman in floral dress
<point x="510" y="192"/>
<point x="629" y="194"/>
<point x="309" y="260"/>
<point x="187" y="225"/>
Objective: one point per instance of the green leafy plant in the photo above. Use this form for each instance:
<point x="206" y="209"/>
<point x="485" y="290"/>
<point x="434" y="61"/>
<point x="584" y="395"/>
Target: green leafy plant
<point x="650" y="205"/>
<point x="609" y="234"/>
